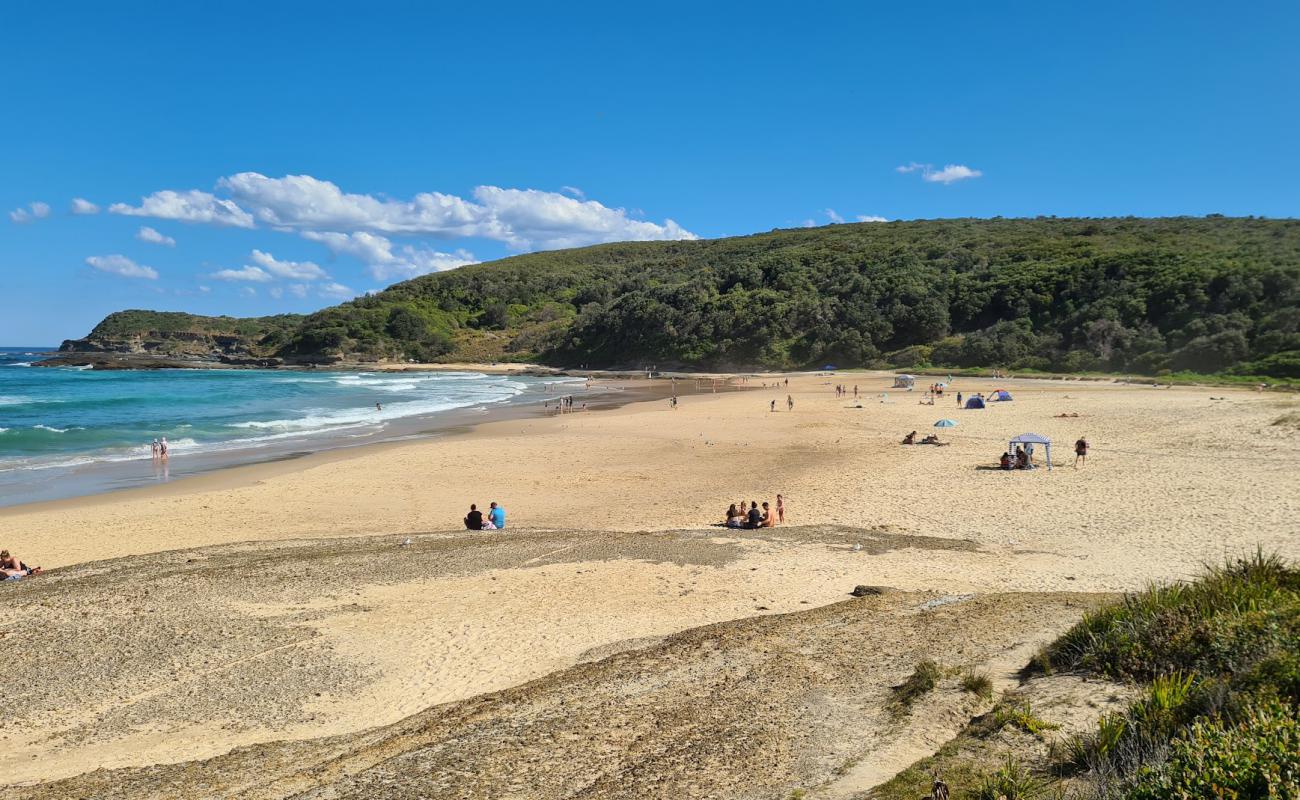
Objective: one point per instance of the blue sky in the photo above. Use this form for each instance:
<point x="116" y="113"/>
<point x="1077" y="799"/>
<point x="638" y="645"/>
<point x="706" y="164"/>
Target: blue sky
<point x="314" y="151"/>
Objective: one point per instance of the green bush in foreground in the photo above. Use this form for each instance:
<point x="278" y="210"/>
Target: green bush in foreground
<point x="1256" y="757"/>
<point x="922" y="680"/>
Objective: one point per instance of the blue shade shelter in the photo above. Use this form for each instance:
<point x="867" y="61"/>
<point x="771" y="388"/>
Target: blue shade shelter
<point x="1028" y="440"/>
<point x="946" y="423"/>
<point x="1002" y="394"/>
<point x="975" y="402"/>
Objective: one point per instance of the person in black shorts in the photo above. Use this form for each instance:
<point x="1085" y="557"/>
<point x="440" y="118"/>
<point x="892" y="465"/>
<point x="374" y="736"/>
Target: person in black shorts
<point x="1080" y="452"/>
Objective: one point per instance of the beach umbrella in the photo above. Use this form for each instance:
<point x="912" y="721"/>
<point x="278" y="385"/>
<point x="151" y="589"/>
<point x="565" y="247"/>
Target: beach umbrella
<point x="946" y="423"/>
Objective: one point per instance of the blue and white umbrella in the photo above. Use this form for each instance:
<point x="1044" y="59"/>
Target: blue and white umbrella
<point x="946" y="423"/>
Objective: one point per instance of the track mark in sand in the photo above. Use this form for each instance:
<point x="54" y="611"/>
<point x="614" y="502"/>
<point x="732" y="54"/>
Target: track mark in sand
<point x="548" y="555"/>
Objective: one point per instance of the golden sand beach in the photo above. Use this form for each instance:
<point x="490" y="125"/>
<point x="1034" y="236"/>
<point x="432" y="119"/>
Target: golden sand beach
<point x="287" y="607"/>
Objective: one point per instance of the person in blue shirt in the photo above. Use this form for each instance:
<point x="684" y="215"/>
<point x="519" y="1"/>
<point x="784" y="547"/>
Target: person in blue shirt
<point x="498" y="516"/>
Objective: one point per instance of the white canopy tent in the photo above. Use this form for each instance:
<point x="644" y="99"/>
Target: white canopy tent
<point x="904" y="381"/>
<point x="1028" y="440"/>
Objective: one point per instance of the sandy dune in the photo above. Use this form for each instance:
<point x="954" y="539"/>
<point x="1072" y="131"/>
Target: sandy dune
<point x="255" y="642"/>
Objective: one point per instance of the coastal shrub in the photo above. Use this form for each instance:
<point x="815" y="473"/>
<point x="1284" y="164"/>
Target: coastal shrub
<point x="1011" y="781"/>
<point x="1022" y="716"/>
<point x="923" y="679"/>
<point x="1224" y="622"/>
<point x="1257" y="756"/>
<point x="977" y="683"/>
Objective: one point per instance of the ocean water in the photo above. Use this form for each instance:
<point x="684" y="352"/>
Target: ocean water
<point x="68" y="425"/>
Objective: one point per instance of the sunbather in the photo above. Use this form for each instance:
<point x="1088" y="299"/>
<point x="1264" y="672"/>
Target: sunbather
<point x="11" y="567"/>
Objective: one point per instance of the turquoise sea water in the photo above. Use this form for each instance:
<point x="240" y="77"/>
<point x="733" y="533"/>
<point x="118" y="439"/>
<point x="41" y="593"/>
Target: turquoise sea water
<point x="64" y="423"/>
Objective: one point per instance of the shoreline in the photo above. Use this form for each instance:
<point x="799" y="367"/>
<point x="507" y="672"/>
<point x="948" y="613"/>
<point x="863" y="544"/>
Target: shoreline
<point x="225" y="470"/>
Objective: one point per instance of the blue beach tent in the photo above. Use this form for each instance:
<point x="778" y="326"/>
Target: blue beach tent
<point x="975" y="402"/>
<point x="1001" y="395"/>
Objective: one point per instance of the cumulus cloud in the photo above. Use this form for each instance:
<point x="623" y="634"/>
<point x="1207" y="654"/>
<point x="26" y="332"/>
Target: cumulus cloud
<point x="522" y="218"/>
<point x="247" y="273"/>
<point x="188" y="206"/>
<point x="81" y="205"/>
<point x="293" y="270"/>
<point x="385" y="263"/>
<point x="573" y="191"/>
<point x="35" y="210"/>
<point x="949" y="174"/>
<point x="833" y="216"/>
<point x="122" y="266"/>
<point x="147" y="234"/>
<point x="248" y="291"/>
<point x="871" y="218"/>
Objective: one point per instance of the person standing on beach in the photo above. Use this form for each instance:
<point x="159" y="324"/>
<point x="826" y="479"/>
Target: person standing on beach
<point x="1080" y="452"/>
<point x="959" y="399"/>
<point x="154" y="447"/>
<point x="772" y="406"/>
<point x="789" y="403"/>
<point x="162" y="447"/>
<point x="780" y="509"/>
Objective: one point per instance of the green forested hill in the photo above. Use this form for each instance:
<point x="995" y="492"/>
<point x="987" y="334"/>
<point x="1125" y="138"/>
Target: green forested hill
<point x="1203" y="294"/>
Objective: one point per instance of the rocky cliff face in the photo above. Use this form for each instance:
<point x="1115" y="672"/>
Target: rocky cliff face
<point x="146" y="339"/>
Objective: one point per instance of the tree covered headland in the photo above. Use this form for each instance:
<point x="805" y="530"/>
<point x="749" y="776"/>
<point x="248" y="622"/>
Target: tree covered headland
<point x="1141" y="295"/>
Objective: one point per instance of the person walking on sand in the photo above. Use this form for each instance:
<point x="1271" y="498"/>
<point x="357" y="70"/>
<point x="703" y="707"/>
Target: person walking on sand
<point x="772" y="406"/>
<point x="789" y="403"/>
<point x="1080" y="452"/>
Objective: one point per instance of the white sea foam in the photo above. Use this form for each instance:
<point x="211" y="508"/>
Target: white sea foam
<point x="18" y="364"/>
<point x="54" y="430"/>
<point x="13" y="400"/>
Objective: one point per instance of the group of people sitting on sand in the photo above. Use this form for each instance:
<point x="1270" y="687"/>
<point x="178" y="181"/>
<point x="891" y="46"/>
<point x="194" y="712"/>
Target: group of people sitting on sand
<point x="1021" y="460"/>
<point x="750" y="516"/>
<point x="12" y="569"/>
<point x="494" y="521"/>
<point x="930" y="439"/>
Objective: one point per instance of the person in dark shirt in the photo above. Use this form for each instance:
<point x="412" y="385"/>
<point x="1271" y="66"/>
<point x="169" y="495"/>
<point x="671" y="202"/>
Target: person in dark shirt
<point x="474" y="519"/>
<point x="755" y="516"/>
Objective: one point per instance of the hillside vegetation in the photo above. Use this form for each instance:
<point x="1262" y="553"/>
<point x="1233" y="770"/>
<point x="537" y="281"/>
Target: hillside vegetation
<point x="1207" y="295"/>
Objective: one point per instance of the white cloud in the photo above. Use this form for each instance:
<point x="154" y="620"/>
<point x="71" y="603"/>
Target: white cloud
<point x="337" y="291"/>
<point x="293" y="270"/>
<point x="276" y="291"/>
<point x="253" y="274"/>
<point x="573" y="191"/>
<point x="123" y="266"/>
<point x="523" y="218"/>
<point x="297" y="289"/>
<point x="81" y="205"/>
<point x="248" y="291"/>
<point x="205" y="289"/>
<point x="871" y="218"/>
<point x="833" y="216"/>
<point x="383" y="261"/>
<point x="949" y="174"/>
<point x="147" y="234"/>
<point x="188" y="206"/>
<point x="810" y="223"/>
<point x="35" y="210"/>
<point x="952" y="172"/>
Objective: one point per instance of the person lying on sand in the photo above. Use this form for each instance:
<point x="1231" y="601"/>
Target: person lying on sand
<point x="1070" y="415"/>
<point x="910" y="438"/>
<point x="11" y="568"/>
